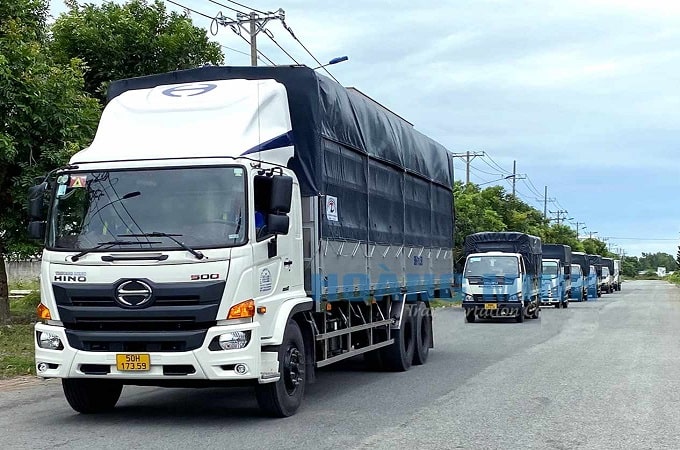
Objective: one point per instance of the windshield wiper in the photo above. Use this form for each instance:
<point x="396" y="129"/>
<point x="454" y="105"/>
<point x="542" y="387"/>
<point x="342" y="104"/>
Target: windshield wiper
<point x="197" y="253"/>
<point x="105" y="245"/>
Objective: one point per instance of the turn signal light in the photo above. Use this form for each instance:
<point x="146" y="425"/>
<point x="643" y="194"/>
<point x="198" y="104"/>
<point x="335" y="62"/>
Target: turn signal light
<point x="242" y="310"/>
<point x="43" y="312"/>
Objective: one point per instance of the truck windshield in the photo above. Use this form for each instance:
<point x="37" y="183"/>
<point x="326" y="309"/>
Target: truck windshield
<point x="550" y="268"/>
<point x="480" y="266"/>
<point x="203" y="205"/>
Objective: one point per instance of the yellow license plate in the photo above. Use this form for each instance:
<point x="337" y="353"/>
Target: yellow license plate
<point x="490" y="306"/>
<point x="133" y="361"/>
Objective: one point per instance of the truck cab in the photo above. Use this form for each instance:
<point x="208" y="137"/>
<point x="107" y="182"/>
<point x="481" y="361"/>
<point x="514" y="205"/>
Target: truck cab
<point x="553" y="292"/>
<point x="616" y="276"/>
<point x="593" y="283"/>
<point x="578" y="284"/>
<point x="606" y="281"/>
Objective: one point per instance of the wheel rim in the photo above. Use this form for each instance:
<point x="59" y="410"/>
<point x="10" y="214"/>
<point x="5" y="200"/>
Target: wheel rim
<point x="292" y="372"/>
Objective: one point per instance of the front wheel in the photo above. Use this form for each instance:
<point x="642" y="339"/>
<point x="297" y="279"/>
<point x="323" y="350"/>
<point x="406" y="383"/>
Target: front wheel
<point x="470" y="316"/>
<point x="565" y="304"/>
<point x="284" y="397"/>
<point x="519" y="318"/>
<point x="91" y="396"/>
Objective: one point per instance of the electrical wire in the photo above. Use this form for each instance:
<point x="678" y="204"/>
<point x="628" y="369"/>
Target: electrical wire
<point x="290" y="30"/>
<point x="228" y="7"/>
<point x="498" y="166"/>
<point x="488" y="173"/>
<point x="270" y="35"/>
<point x="247" y="7"/>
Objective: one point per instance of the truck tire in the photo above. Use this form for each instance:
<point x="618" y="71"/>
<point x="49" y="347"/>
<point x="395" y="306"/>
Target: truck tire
<point x="423" y="319"/>
<point x="566" y="304"/>
<point x="91" y="396"/>
<point x="599" y="293"/>
<point x="536" y="312"/>
<point x="519" y="318"/>
<point x="284" y="397"/>
<point x="398" y="357"/>
<point x="470" y="316"/>
<point x="558" y="305"/>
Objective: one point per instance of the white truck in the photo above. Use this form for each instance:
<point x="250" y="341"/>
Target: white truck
<point x="238" y="225"/>
<point x="617" y="275"/>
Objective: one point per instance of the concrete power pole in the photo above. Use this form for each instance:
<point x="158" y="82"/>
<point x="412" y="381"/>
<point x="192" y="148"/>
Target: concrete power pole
<point x="469" y="156"/>
<point x="515" y="176"/>
<point x="256" y="22"/>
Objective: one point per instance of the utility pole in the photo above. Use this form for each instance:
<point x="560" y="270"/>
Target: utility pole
<point x="516" y="176"/>
<point x="591" y="234"/>
<point x="469" y="156"/>
<point x="580" y="226"/>
<point x="256" y="22"/>
<point x="559" y="213"/>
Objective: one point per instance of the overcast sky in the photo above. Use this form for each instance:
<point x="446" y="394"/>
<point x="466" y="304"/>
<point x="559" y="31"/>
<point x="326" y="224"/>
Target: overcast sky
<point x="582" y="93"/>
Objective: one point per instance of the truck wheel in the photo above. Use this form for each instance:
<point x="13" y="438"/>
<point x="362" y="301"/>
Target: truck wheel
<point x="470" y="316"/>
<point x="535" y="313"/>
<point x="565" y="304"/>
<point x="423" y="319"/>
<point x="519" y="318"/>
<point x="398" y="357"/>
<point x="283" y="398"/>
<point x="558" y="305"/>
<point x="599" y="293"/>
<point x="91" y="396"/>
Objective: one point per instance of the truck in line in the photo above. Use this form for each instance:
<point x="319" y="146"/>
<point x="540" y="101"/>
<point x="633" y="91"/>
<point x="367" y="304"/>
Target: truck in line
<point x="596" y="262"/>
<point x="616" y="278"/>
<point x="608" y="275"/>
<point x="556" y="278"/>
<point x="240" y="226"/>
<point x="501" y="276"/>
<point x="580" y="282"/>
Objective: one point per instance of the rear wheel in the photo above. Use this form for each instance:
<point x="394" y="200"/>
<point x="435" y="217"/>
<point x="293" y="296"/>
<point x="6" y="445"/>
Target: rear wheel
<point x="283" y="397"/>
<point x="91" y="396"/>
<point x="423" y="320"/>
<point x="398" y="357"/>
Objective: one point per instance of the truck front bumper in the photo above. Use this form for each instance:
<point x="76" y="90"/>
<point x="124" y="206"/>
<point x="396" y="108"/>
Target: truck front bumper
<point x="501" y="309"/>
<point x="199" y="364"/>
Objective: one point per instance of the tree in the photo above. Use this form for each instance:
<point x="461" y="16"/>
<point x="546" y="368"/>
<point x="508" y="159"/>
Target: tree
<point x="562" y="234"/>
<point x="677" y="257"/>
<point x="134" y="39"/>
<point x="45" y="117"/>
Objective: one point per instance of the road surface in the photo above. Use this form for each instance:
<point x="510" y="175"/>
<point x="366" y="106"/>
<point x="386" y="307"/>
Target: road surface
<point x="602" y="374"/>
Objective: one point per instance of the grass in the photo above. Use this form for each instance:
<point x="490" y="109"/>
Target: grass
<point x="438" y="303"/>
<point x="16" y="338"/>
<point x="16" y="350"/>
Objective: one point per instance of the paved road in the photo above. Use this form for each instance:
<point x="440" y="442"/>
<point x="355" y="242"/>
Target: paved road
<point x="602" y="374"/>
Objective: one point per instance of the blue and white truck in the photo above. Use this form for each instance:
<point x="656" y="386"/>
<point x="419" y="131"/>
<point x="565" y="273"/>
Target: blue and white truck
<point x="608" y="283"/>
<point x="556" y="278"/>
<point x="239" y="225"/>
<point x="580" y="278"/>
<point x="502" y="276"/>
<point x="596" y="262"/>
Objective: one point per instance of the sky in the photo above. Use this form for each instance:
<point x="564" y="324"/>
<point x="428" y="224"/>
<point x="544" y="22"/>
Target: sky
<point x="582" y="94"/>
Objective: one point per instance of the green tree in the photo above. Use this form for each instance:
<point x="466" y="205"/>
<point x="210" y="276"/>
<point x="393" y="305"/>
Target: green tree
<point x="134" y="39"/>
<point x="562" y="234"/>
<point x="46" y="117"/>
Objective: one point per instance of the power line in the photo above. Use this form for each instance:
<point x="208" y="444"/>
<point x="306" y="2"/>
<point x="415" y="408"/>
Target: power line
<point x="270" y="35"/>
<point x="247" y="7"/>
<point x="290" y="30"/>
<point x="497" y="165"/>
<point x="641" y="238"/>
<point x="189" y="9"/>
<point x="488" y="173"/>
<point x="229" y="7"/>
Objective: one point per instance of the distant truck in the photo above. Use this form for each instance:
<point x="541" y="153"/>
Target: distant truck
<point x="579" y="281"/>
<point x="661" y="271"/>
<point x="616" y="279"/>
<point x="605" y="281"/>
<point x="593" y="285"/>
<point x="556" y="277"/>
<point x="596" y="261"/>
<point x="502" y="274"/>
<point x="608" y="281"/>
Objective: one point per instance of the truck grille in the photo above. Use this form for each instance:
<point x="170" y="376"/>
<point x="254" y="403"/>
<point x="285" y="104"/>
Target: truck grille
<point x="490" y="297"/>
<point x="176" y="319"/>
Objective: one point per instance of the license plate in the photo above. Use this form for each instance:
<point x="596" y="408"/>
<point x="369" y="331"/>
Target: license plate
<point x="490" y="306"/>
<point x="133" y="361"/>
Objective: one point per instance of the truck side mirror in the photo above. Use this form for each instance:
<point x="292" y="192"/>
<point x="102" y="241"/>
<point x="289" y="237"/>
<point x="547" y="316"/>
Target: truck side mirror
<point x="278" y="223"/>
<point x="281" y="194"/>
<point x="36" y="198"/>
<point x="36" y="229"/>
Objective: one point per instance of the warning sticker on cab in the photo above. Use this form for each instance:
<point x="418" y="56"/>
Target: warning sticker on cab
<point x="77" y="181"/>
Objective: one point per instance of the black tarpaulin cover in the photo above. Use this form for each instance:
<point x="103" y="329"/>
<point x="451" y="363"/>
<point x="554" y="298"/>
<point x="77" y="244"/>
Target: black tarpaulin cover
<point x="609" y="262"/>
<point x="596" y="260"/>
<point x="561" y="252"/>
<point x="510" y="242"/>
<point x="393" y="184"/>
<point x="582" y="260"/>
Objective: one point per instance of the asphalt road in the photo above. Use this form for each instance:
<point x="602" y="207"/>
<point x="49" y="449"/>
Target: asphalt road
<point x="602" y="374"/>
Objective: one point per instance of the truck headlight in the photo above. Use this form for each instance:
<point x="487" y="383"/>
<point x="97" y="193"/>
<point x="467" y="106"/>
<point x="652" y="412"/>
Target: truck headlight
<point x="49" y="341"/>
<point x="469" y="298"/>
<point x="234" y="340"/>
<point x="514" y="297"/>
